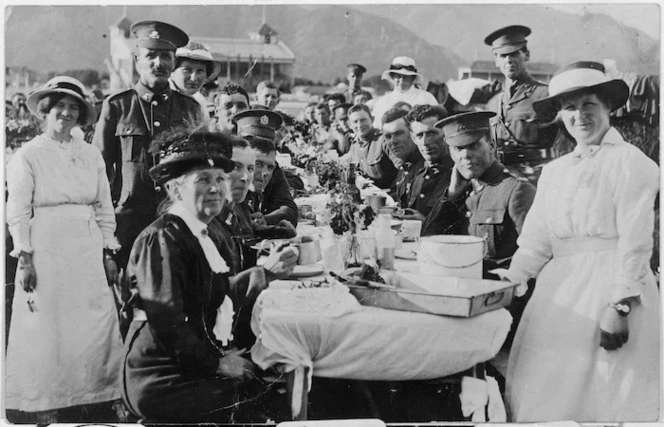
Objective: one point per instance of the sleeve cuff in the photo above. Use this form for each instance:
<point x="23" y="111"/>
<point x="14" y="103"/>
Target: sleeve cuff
<point x="112" y="244"/>
<point x="17" y="250"/>
<point x="627" y="289"/>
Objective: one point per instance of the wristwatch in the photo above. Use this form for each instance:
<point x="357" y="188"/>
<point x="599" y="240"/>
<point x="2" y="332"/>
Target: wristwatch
<point x="623" y="308"/>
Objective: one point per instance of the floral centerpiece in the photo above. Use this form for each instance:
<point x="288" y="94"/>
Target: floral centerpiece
<point x="349" y="215"/>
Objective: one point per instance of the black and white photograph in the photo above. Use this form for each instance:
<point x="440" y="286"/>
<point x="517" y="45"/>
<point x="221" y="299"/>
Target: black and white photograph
<point x="331" y="214"/>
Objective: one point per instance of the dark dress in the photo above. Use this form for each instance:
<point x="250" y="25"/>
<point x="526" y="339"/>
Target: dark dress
<point x="171" y="354"/>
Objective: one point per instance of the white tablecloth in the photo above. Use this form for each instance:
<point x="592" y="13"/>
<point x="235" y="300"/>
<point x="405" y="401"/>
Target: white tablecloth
<point x="370" y="343"/>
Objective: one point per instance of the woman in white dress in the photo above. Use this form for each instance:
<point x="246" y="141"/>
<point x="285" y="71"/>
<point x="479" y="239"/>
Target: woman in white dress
<point x="64" y="345"/>
<point x="587" y="345"/>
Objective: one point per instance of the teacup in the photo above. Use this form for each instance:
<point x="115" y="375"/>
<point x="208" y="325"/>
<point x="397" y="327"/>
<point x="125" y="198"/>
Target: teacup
<point x="309" y="249"/>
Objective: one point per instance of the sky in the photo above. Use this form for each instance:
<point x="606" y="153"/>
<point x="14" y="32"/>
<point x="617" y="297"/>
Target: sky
<point x="643" y="16"/>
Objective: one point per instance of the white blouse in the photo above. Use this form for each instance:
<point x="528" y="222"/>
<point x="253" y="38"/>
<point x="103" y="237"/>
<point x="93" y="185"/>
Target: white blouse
<point x="45" y="172"/>
<point x="606" y="192"/>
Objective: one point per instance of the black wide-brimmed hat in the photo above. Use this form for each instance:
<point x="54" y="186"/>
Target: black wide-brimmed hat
<point x="582" y="77"/>
<point x="63" y="85"/>
<point x="183" y="153"/>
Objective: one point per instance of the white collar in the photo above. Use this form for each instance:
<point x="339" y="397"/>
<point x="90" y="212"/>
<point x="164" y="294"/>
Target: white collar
<point x="195" y="225"/>
<point x="611" y="137"/>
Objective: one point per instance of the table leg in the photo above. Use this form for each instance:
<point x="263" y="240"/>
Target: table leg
<point x="297" y="392"/>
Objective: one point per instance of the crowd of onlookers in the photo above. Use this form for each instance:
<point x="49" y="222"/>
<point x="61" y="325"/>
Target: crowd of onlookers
<point x="134" y="223"/>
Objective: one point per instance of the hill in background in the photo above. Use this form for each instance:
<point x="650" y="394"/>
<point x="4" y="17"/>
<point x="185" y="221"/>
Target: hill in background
<point x="324" y="38"/>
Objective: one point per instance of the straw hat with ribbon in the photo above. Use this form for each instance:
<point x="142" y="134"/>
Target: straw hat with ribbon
<point x="402" y="65"/>
<point x="578" y="78"/>
<point x="67" y="86"/>
<point x="197" y="52"/>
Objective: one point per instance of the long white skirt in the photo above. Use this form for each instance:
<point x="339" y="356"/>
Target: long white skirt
<point x="68" y="352"/>
<point x="558" y="371"/>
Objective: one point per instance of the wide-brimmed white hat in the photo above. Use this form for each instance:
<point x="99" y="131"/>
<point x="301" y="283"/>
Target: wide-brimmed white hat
<point x="582" y="77"/>
<point x="197" y="52"/>
<point x="65" y="85"/>
<point x="402" y="65"/>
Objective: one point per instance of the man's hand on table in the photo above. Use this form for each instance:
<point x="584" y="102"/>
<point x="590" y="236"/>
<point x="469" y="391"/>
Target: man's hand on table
<point x="409" y="213"/>
<point x="233" y="365"/>
<point x="258" y="218"/>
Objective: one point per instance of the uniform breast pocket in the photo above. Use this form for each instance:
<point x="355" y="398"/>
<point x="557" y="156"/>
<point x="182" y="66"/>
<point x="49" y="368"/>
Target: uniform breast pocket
<point x="133" y="142"/>
<point x="489" y="224"/>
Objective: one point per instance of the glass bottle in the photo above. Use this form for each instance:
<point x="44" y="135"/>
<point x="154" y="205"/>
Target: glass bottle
<point x="353" y="256"/>
<point x="351" y="187"/>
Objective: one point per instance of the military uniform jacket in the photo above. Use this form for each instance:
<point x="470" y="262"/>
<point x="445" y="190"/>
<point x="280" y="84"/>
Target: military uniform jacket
<point x="494" y="209"/>
<point x="276" y="202"/>
<point x="374" y="159"/>
<point x="405" y="176"/>
<point x="429" y="184"/>
<point x="128" y="123"/>
<point x="514" y="114"/>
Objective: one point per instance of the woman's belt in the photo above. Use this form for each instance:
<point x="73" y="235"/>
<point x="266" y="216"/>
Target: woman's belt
<point x="567" y="247"/>
<point x="71" y="211"/>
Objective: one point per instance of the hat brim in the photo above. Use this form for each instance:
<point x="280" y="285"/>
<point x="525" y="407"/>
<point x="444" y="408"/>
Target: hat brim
<point x="34" y="98"/>
<point x="170" y="169"/>
<point x="508" y="48"/>
<point x="615" y="91"/>
<point x="216" y="65"/>
<point x="466" y="139"/>
<point x="386" y="75"/>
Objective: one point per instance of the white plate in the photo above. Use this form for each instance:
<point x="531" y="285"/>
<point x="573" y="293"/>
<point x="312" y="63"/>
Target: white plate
<point x="396" y="223"/>
<point x="307" y="271"/>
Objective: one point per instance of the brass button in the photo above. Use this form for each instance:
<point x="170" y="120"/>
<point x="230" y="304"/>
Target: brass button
<point x="155" y="103"/>
<point x="157" y="124"/>
<point x="468" y="214"/>
<point x="422" y="196"/>
<point x="426" y="176"/>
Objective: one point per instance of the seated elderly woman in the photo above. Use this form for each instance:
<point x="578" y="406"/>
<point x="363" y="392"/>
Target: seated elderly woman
<point x="174" y="368"/>
<point x="590" y="332"/>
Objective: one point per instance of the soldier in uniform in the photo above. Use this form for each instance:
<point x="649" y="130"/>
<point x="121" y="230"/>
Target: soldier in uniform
<point x="483" y="199"/>
<point x="524" y="141"/>
<point x="270" y="202"/>
<point x="399" y="143"/>
<point x="132" y="119"/>
<point x="341" y="134"/>
<point x="368" y="149"/>
<point x="354" y="76"/>
<point x="433" y="178"/>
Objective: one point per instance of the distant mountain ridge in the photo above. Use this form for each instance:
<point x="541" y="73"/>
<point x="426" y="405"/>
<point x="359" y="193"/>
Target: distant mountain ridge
<point x="325" y="38"/>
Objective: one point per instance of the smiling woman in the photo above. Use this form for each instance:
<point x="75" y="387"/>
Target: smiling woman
<point x="62" y="223"/>
<point x="175" y="367"/>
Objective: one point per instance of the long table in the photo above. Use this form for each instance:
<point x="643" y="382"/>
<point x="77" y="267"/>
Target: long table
<point x="327" y="333"/>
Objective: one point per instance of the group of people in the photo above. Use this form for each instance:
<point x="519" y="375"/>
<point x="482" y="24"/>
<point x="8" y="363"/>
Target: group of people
<point x="137" y="276"/>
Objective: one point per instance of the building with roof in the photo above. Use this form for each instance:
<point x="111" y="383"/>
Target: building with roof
<point x="487" y="70"/>
<point x="261" y="56"/>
